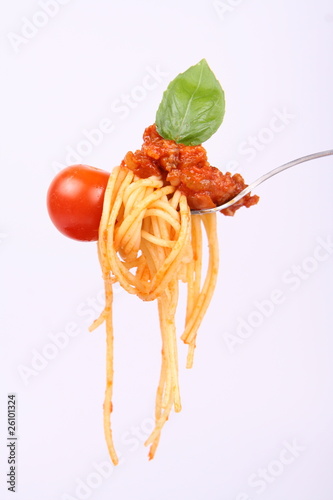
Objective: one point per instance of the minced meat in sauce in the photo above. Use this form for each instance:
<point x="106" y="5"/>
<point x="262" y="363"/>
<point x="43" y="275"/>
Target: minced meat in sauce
<point x="187" y="168"/>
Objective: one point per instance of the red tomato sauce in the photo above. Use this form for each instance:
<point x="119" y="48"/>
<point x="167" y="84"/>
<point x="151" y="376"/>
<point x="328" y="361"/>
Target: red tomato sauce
<point x="187" y="168"/>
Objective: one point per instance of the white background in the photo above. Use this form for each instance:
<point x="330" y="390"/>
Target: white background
<point x="243" y="404"/>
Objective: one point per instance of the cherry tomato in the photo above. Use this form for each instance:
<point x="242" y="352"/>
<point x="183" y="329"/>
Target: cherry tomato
<point x="75" y="201"/>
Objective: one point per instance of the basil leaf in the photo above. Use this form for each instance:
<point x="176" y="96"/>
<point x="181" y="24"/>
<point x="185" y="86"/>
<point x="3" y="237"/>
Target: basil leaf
<point x="192" y="106"/>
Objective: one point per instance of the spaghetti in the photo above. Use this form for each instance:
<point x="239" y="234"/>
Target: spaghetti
<point x="147" y="239"/>
<point x="148" y="242"/>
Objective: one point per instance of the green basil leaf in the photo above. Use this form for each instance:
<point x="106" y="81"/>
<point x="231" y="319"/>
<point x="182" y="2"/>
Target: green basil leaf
<point x="192" y="106"/>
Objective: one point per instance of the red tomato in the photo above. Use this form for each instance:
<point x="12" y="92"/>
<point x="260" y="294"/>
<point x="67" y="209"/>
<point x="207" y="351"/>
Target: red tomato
<point x="75" y="201"/>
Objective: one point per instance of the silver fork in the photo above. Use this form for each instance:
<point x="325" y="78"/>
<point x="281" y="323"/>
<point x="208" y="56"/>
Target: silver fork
<point x="263" y="178"/>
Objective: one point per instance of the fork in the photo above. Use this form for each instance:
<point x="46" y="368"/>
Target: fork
<point x="263" y="178"/>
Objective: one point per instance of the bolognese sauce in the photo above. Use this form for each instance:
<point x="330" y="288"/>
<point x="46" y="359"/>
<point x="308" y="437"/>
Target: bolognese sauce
<point x="187" y="168"/>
